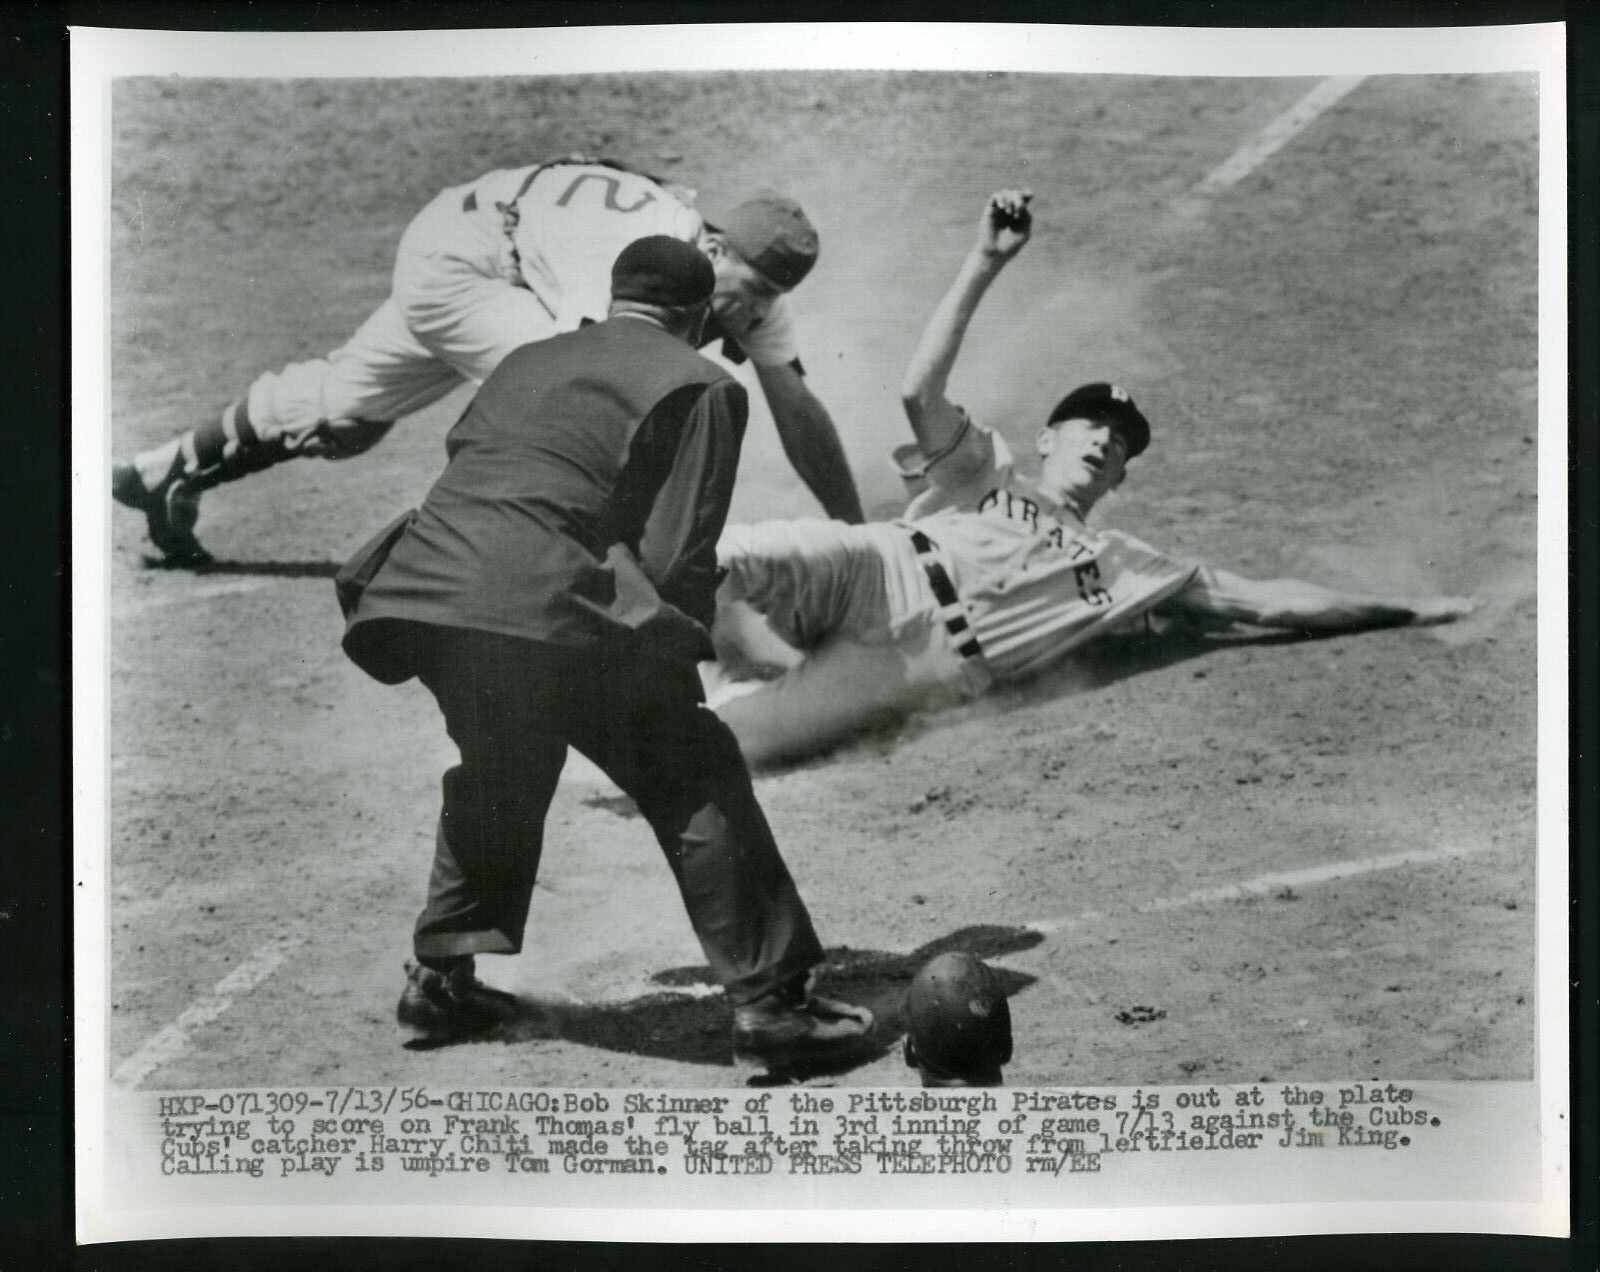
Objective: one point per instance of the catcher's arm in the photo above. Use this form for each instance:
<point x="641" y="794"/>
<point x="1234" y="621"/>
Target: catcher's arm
<point x="811" y="442"/>
<point x="1002" y="232"/>
<point x="1297" y="605"/>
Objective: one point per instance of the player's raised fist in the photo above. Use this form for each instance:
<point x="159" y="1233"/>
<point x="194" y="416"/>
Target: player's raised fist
<point x="1007" y="223"/>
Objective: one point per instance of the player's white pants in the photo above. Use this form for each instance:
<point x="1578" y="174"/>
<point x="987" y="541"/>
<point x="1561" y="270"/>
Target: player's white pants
<point x="857" y="600"/>
<point x="453" y="315"/>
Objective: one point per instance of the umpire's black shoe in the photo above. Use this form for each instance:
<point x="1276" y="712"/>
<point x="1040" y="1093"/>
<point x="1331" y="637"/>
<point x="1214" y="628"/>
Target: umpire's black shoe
<point x="438" y="1006"/>
<point x="792" y="1030"/>
<point x="170" y="509"/>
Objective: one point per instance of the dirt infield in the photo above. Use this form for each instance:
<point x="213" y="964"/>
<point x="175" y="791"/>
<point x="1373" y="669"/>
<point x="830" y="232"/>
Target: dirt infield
<point x="1338" y="355"/>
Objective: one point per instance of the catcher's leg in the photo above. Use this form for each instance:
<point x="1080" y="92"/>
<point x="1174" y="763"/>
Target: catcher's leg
<point x="331" y="407"/>
<point x="465" y="318"/>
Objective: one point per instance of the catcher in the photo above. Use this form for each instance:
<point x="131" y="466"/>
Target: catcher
<point x="516" y="256"/>
<point x="989" y="576"/>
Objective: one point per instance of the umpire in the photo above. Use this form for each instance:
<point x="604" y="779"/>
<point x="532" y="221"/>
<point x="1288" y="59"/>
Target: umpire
<point x="555" y="590"/>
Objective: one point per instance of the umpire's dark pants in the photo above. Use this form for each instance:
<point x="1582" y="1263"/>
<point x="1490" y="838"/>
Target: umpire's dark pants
<point x="513" y="707"/>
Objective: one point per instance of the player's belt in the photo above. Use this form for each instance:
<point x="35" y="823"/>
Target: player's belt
<point x="944" y="591"/>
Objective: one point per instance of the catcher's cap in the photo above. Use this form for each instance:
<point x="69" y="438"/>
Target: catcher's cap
<point x="958" y="1022"/>
<point x="774" y="234"/>
<point x="1108" y="402"/>
<point x="660" y="270"/>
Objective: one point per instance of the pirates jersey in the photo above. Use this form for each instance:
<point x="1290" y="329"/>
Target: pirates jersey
<point x="1033" y="581"/>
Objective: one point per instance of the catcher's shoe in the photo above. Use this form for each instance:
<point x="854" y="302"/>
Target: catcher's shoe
<point x="437" y="1006"/>
<point x="793" y="1030"/>
<point x="171" y="508"/>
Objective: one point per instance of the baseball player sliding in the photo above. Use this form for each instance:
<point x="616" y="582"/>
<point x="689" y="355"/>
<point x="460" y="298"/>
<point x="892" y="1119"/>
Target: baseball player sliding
<point x="516" y="256"/>
<point x="989" y="576"/>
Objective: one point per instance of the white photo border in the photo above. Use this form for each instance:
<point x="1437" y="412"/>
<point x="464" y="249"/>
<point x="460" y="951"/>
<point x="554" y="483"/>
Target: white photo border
<point x="98" y="56"/>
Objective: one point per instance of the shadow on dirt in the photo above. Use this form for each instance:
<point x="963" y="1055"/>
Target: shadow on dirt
<point x="1096" y="666"/>
<point x="688" y="1021"/>
<point x="264" y="569"/>
<point x="275" y="569"/>
<point x="1104" y="662"/>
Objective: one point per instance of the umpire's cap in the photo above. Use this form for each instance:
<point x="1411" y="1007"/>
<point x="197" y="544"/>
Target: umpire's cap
<point x="661" y="270"/>
<point x="958" y="1023"/>
<point x="775" y="235"/>
<point x="1108" y="402"/>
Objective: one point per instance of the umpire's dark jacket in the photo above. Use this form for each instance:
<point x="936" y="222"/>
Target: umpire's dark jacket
<point x="579" y="505"/>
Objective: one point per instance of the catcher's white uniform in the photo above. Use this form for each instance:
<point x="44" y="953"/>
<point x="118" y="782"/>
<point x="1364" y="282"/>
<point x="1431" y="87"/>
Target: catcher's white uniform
<point x="983" y="579"/>
<point x="518" y="255"/>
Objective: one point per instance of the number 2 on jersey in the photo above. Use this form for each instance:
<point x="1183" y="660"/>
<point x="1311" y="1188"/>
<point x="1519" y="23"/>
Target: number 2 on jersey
<point x="613" y="185"/>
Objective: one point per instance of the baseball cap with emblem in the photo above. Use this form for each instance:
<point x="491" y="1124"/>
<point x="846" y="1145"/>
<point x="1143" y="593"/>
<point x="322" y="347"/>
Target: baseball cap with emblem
<point x="661" y="270"/>
<point x="774" y="234"/>
<point x="1108" y="402"/>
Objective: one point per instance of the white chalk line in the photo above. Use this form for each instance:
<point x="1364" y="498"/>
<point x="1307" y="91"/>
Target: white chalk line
<point x="1250" y="156"/>
<point x="1186" y="210"/>
<point x="171" y="1042"/>
<point x="1261" y="885"/>
<point x="174" y="1039"/>
<point x="204" y="592"/>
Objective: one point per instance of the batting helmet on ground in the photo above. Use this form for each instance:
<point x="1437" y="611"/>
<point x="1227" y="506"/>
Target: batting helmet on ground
<point x="958" y="1023"/>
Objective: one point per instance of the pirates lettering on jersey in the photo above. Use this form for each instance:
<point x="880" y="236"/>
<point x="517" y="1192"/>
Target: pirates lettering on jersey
<point x="1034" y="582"/>
<point x="1011" y="506"/>
<point x="1005" y="502"/>
<point x="1087" y="577"/>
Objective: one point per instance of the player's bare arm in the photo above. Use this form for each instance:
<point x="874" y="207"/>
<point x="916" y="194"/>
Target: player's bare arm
<point x="811" y="441"/>
<point x="1296" y="605"/>
<point x="1003" y="230"/>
